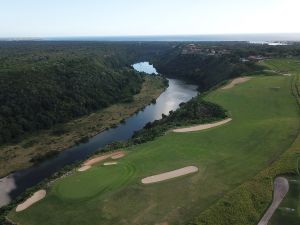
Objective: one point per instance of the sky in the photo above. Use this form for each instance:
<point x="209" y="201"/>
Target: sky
<point x="58" y="18"/>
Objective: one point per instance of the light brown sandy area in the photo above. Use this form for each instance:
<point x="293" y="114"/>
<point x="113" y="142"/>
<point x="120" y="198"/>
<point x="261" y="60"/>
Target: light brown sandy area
<point x="169" y="175"/>
<point x="110" y="163"/>
<point x="84" y="168"/>
<point x="235" y="81"/>
<point x="88" y="164"/>
<point x="37" y="196"/>
<point x="201" y="126"/>
<point x="281" y="188"/>
<point x="118" y="156"/>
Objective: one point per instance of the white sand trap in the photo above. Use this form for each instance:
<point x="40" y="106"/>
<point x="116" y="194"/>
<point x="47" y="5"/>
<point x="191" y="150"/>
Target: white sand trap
<point x="84" y="168"/>
<point x="235" y="81"/>
<point x="281" y="188"/>
<point x="37" y="196"/>
<point x="118" y="156"/>
<point x="110" y="163"/>
<point x="202" y="126"/>
<point x="88" y="164"/>
<point x="169" y="175"/>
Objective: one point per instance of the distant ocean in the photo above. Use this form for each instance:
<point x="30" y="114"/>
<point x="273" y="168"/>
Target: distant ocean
<point x="256" y="38"/>
<point x="233" y="37"/>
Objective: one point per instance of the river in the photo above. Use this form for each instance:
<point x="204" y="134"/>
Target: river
<point x="177" y="92"/>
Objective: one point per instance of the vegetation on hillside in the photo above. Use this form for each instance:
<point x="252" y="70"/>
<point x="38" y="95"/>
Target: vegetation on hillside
<point x="208" y="64"/>
<point x="196" y="111"/>
<point x="46" y="143"/>
<point x="45" y="83"/>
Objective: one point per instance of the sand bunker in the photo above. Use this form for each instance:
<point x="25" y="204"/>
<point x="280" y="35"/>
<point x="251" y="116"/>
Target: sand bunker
<point x="37" y="196"/>
<point x="235" y="82"/>
<point x="110" y="163"/>
<point x="84" y="168"/>
<point x="118" y="156"/>
<point x="202" y="126"/>
<point x="281" y="187"/>
<point x="169" y="175"/>
<point x="88" y="164"/>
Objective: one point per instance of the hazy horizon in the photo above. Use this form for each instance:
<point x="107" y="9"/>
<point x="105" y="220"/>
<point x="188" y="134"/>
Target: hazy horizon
<point x="92" y="18"/>
<point x="262" y="37"/>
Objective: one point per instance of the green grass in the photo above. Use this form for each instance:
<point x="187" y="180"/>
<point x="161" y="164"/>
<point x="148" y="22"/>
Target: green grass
<point x="265" y="123"/>
<point x="247" y="203"/>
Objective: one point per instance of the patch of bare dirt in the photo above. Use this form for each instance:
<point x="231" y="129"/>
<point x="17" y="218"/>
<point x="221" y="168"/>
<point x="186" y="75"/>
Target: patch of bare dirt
<point x="235" y="81"/>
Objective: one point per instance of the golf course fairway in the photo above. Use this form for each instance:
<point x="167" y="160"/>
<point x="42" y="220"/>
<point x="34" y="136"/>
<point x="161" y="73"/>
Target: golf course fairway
<point x="265" y="122"/>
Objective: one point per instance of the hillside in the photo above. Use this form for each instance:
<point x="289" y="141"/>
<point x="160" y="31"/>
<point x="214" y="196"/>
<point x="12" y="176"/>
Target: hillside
<point x="55" y="95"/>
<point x="208" y="64"/>
<point x="42" y="84"/>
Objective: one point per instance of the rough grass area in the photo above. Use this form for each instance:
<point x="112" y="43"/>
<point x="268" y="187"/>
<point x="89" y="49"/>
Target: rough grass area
<point x="265" y="124"/>
<point x="18" y="156"/>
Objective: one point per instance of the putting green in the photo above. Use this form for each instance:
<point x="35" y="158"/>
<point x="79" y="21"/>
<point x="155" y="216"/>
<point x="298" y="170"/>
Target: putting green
<point x="105" y="179"/>
<point x="265" y="123"/>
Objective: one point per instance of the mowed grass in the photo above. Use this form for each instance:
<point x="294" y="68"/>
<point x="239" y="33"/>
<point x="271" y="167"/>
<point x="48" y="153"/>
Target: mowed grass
<point x="265" y="123"/>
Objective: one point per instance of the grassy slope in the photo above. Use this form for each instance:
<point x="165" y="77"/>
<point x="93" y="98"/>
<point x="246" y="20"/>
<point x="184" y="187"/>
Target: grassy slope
<point x="13" y="157"/>
<point x="292" y="199"/>
<point x="247" y="203"/>
<point x="265" y="123"/>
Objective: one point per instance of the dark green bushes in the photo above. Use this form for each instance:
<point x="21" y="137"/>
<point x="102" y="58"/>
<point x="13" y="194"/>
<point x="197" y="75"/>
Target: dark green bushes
<point x="196" y="111"/>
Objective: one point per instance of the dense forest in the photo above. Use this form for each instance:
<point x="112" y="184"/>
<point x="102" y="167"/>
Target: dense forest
<point x="45" y="83"/>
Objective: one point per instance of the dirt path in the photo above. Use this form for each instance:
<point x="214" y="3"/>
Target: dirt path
<point x="202" y="126"/>
<point x="281" y="187"/>
<point x="88" y="164"/>
<point x="235" y="81"/>
<point x="37" y="196"/>
<point x="169" y="175"/>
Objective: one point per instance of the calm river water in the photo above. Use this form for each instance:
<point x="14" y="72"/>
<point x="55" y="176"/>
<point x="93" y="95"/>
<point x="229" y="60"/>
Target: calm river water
<point x="177" y="92"/>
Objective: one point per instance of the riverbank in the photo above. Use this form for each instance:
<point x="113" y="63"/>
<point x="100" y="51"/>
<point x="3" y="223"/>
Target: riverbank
<point x="49" y="142"/>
